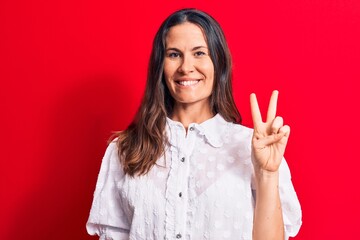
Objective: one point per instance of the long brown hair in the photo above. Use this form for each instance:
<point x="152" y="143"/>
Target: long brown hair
<point x="144" y="141"/>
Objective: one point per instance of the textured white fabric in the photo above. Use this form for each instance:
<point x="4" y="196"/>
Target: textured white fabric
<point x="201" y="189"/>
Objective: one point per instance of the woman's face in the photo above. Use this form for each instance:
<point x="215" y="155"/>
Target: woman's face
<point x="188" y="68"/>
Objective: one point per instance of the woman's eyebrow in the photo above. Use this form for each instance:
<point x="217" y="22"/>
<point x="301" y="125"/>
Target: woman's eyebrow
<point x="198" y="47"/>
<point x="173" y="49"/>
<point x="193" y="49"/>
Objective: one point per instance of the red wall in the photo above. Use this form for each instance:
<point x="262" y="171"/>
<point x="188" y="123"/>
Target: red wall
<point x="73" y="71"/>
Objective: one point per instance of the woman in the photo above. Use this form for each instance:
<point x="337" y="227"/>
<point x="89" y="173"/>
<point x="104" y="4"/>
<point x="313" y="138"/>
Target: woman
<point x="184" y="168"/>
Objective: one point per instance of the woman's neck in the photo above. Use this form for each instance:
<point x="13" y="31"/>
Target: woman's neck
<point x="191" y="113"/>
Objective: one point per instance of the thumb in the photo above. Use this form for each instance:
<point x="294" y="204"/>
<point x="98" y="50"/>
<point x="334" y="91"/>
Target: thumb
<point x="271" y="139"/>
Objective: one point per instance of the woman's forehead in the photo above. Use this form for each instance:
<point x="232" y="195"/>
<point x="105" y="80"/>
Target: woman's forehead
<point x="185" y="34"/>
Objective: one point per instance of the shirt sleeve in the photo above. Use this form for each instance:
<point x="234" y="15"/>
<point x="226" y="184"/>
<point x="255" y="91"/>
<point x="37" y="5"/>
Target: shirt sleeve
<point x="107" y="218"/>
<point x="289" y="202"/>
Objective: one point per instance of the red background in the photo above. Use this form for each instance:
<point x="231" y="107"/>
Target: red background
<point x="73" y="71"/>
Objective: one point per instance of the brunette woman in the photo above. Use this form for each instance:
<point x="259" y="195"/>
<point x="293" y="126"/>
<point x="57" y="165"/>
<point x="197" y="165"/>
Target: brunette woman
<point x="185" y="168"/>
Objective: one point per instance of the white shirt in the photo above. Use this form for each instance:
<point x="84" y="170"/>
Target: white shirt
<point x="203" y="188"/>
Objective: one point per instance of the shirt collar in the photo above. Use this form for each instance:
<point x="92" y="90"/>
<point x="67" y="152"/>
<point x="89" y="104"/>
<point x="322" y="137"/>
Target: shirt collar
<point x="212" y="129"/>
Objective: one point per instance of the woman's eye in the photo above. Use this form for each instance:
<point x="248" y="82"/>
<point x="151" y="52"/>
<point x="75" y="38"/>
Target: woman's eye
<point x="173" y="55"/>
<point x="199" y="53"/>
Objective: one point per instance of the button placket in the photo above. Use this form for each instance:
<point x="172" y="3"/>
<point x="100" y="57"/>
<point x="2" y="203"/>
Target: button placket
<point x="182" y="159"/>
<point x="181" y="192"/>
<point x="186" y="149"/>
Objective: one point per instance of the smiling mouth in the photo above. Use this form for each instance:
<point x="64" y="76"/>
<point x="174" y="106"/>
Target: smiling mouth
<point x="188" y="83"/>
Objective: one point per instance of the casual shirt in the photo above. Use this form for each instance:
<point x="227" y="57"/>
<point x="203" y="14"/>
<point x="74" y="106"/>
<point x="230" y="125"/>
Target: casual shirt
<point x="202" y="188"/>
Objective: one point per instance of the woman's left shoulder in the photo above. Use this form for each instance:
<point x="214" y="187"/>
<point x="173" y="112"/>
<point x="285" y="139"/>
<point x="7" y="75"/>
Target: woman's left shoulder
<point x="240" y="131"/>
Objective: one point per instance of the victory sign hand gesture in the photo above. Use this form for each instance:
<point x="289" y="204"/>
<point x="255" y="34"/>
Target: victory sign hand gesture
<point x="269" y="138"/>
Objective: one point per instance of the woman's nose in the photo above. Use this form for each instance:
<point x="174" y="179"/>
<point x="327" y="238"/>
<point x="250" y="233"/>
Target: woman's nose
<point x="186" y="65"/>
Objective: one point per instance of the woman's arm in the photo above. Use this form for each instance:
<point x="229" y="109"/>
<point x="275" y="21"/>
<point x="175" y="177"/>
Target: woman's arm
<point x="268" y="146"/>
<point x="107" y="218"/>
<point x="268" y="221"/>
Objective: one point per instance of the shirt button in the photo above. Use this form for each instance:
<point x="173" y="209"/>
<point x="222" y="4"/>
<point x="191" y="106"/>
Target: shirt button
<point x="178" y="235"/>
<point x="182" y="159"/>
<point x="191" y="129"/>
<point x="180" y="194"/>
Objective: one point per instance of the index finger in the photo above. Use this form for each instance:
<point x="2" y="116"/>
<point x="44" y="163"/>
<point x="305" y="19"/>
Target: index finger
<point x="271" y="114"/>
<point x="255" y="110"/>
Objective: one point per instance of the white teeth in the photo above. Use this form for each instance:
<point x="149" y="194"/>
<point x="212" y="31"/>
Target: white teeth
<point x="188" y="83"/>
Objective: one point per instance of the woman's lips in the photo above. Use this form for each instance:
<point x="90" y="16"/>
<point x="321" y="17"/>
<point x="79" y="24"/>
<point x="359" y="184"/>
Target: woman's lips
<point x="187" y="81"/>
